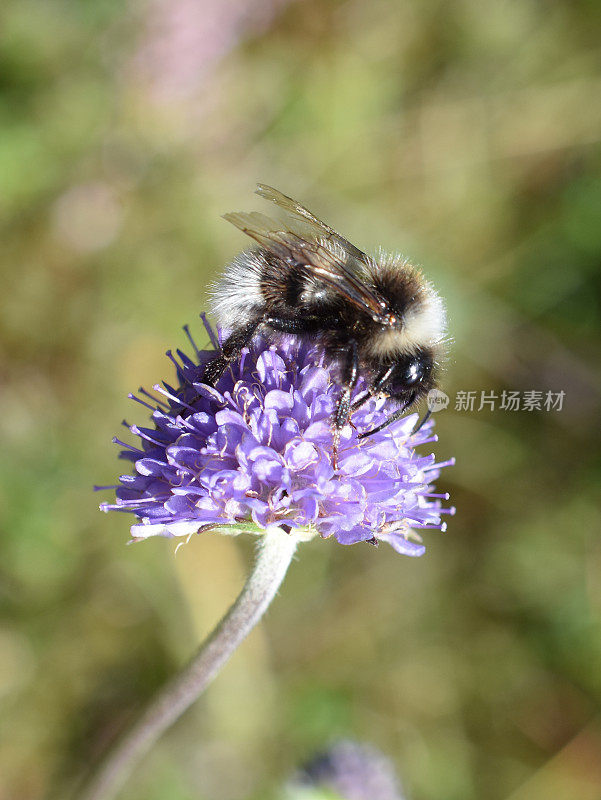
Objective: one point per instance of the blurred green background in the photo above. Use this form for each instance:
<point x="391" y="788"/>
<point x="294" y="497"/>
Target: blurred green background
<point x="464" y="134"/>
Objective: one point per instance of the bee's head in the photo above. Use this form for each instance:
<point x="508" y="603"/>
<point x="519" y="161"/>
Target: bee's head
<point x="413" y="373"/>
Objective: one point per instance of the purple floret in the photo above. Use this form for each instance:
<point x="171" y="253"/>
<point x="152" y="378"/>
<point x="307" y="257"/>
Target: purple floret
<point x="352" y="771"/>
<point x="256" y="452"/>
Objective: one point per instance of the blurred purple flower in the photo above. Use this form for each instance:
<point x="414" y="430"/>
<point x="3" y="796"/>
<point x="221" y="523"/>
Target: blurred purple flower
<point x="183" y="40"/>
<point x="352" y="771"/>
<point x="256" y="452"/>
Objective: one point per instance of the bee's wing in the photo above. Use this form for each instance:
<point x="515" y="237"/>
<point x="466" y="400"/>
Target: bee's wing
<point x="319" y="228"/>
<point x="311" y="254"/>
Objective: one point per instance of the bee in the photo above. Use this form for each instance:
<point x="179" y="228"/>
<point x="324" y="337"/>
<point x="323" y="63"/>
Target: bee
<point x="374" y="317"/>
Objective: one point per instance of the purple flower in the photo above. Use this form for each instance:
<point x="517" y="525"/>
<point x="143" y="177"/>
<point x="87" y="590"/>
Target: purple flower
<point x="256" y="452"/>
<point x="352" y="771"/>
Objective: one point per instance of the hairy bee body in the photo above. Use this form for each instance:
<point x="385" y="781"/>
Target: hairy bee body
<point x="375" y="317"/>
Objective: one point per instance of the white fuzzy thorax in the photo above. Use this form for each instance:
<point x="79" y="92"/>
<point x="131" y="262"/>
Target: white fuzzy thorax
<point x="237" y="293"/>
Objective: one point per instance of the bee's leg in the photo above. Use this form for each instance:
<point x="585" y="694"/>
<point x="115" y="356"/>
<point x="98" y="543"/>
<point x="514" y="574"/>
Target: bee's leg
<point x="293" y="325"/>
<point x="230" y="351"/>
<point x="350" y="373"/>
<point x="350" y="365"/>
<point x="392" y="418"/>
<point x="376" y="387"/>
<point x="233" y="345"/>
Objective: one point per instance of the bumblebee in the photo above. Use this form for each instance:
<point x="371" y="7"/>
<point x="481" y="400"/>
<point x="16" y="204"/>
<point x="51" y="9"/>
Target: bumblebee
<point x="374" y="317"/>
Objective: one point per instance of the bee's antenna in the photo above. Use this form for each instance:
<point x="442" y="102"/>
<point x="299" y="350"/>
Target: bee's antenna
<point x="422" y="422"/>
<point x="389" y="420"/>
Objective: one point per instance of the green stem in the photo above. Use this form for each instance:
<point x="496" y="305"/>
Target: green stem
<point x="276" y="551"/>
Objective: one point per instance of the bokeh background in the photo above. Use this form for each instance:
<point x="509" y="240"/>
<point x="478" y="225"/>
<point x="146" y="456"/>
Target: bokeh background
<point x="464" y="134"/>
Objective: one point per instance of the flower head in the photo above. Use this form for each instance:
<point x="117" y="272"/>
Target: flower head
<point x="256" y="452"/>
<point x="351" y="771"/>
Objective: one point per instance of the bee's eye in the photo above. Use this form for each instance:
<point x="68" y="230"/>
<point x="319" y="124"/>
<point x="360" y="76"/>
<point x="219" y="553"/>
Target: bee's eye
<point x="413" y="371"/>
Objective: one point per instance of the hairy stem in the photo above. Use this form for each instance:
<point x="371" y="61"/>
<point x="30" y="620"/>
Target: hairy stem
<point x="275" y="554"/>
